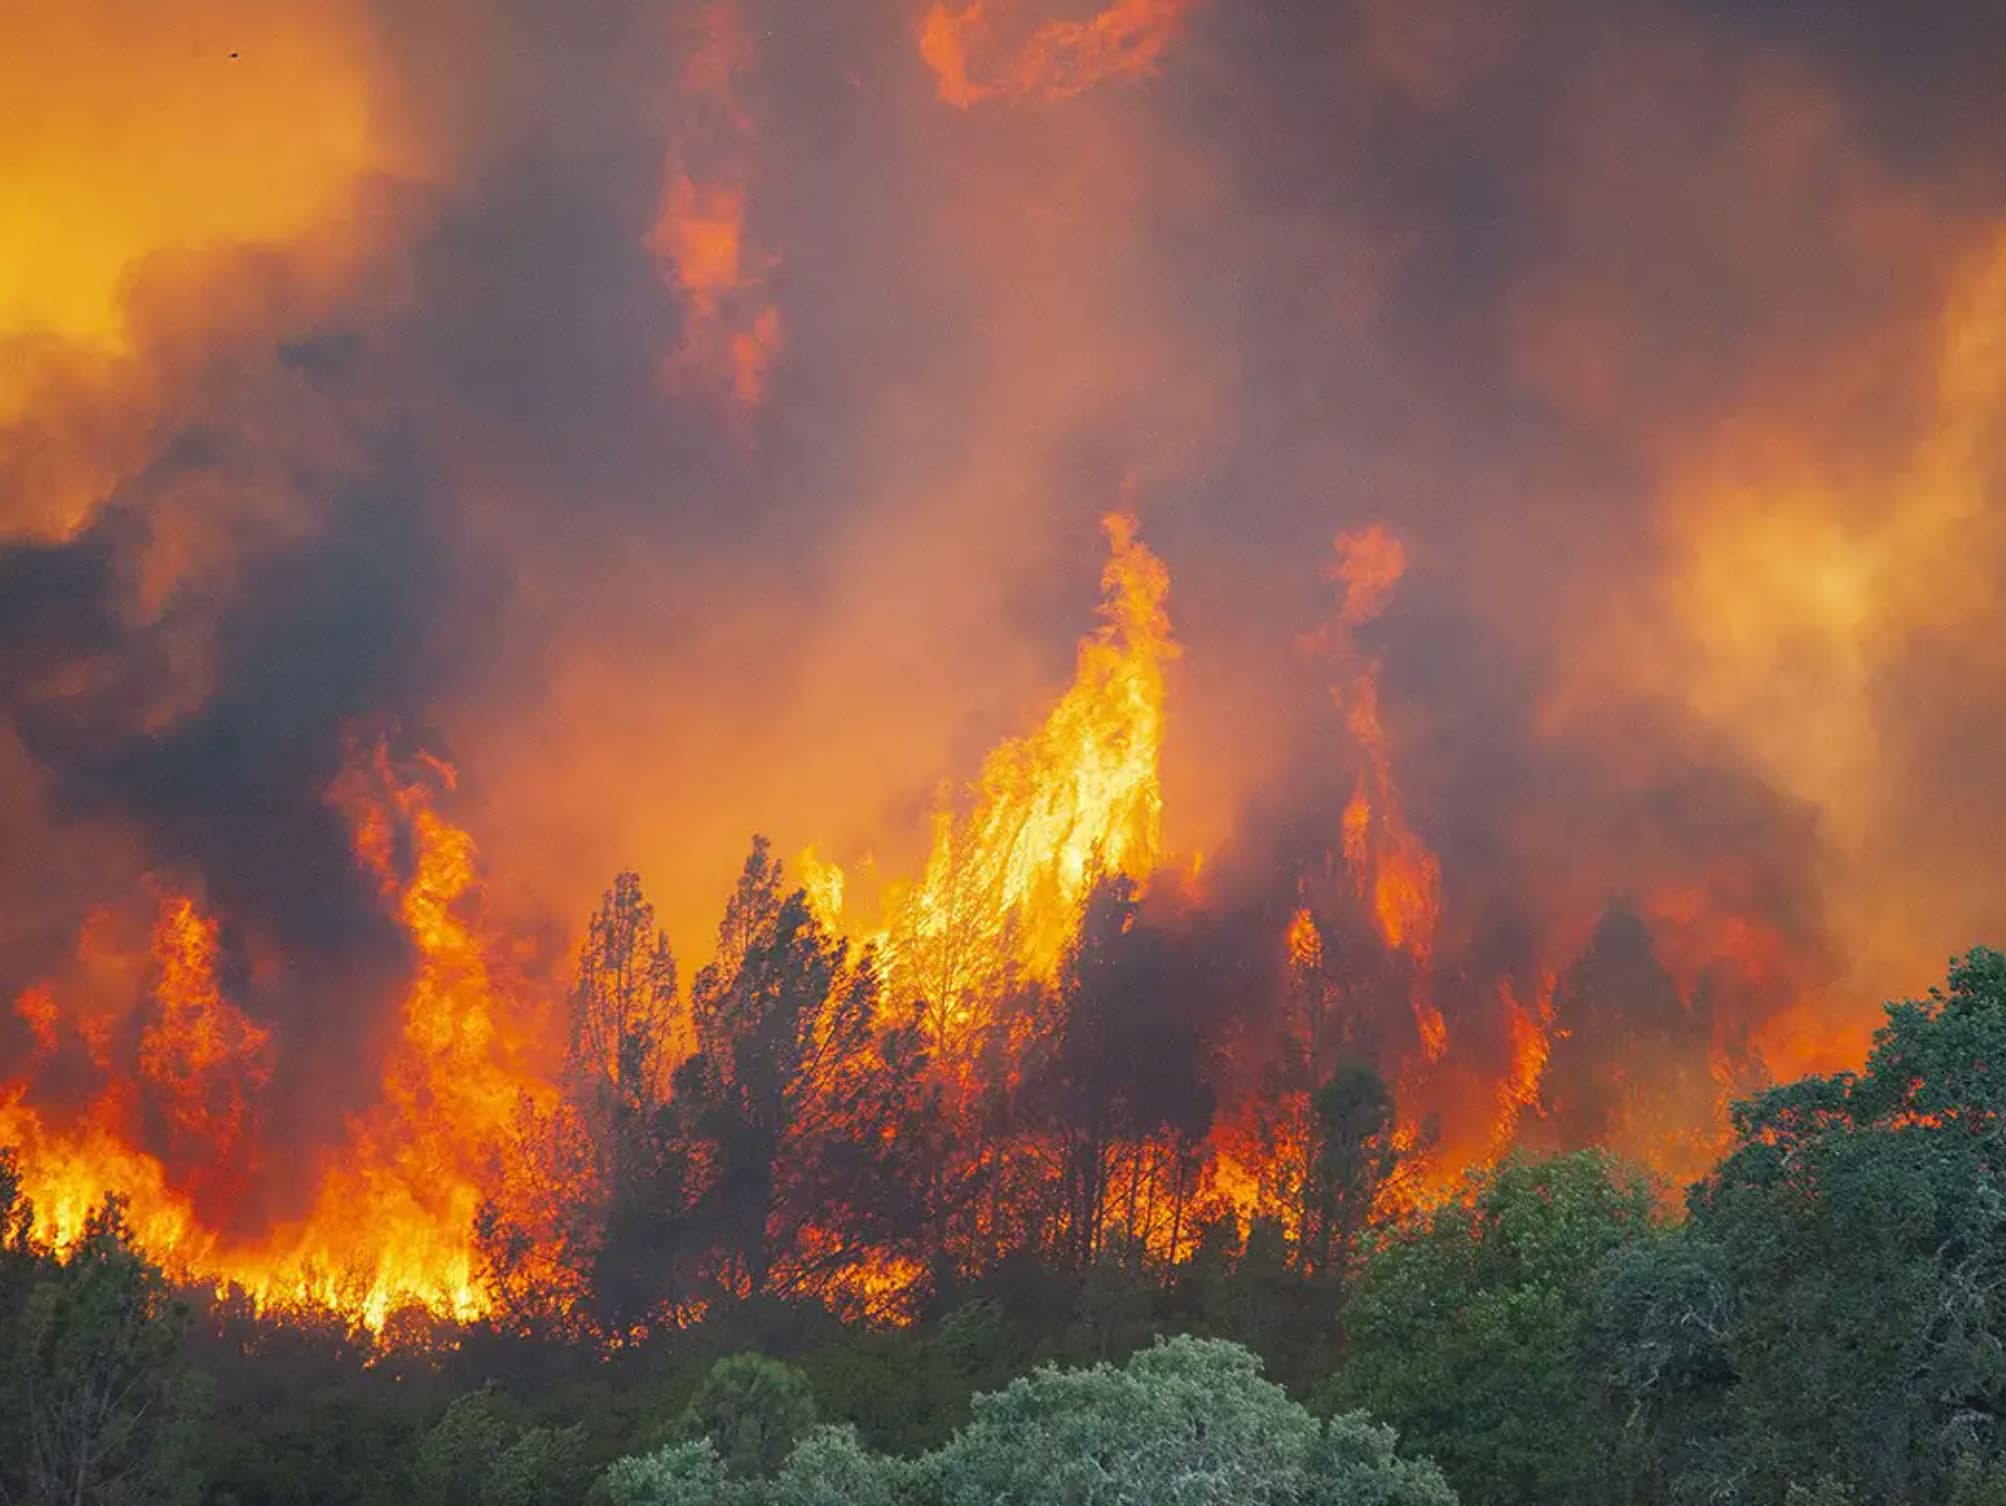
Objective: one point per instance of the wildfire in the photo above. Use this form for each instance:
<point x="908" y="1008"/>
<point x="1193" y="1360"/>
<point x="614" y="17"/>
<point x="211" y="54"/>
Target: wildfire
<point x="825" y="883"/>
<point x="395" y="1216"/>
<point x="732" y="332"/>
<point x="992" y="917"/>
<point x="1388" y="863"/>
<point x="208" y="1061"/>
<point x="1059" y="58"/>
<point x="197" y="1060"/>
<point x="392" y="1219"/>
<point x="354" y="387"/>
<point x="1531" y="1045"/>
<point x="66" y="1172"/>
<point x="1080" y="797"/>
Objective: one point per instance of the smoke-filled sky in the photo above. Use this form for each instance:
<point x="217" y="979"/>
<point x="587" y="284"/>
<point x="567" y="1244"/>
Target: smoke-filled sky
<point x="691" y="419"/>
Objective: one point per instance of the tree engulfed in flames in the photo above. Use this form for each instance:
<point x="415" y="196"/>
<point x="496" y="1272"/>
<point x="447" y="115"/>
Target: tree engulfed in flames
<point x="996" y="1040"/>
<point x="1051" y="812"/>
<point x="1410" y="952"/>
<point x="391" y="1219"/>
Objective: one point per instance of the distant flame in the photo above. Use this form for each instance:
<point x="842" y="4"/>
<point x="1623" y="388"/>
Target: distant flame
<point x="1126" y="40"/>
<point x="732" y="331"/>
<point x="1531" y="1044"/>
<point x="1305" y="942"/>
<point x="1389" y="864"/>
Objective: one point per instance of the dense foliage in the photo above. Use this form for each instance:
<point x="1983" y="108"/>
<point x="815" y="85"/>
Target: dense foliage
<point x="1825" y="1325"/>
<point x="1468" y="1327"/>
<point x="1185" y="1423"/>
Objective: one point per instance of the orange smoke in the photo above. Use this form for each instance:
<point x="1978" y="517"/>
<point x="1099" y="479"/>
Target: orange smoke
<point x="1805" y="570"/>
<point x="1057" y="60"/>
<point x="1368" y="566"/>
<point x="218" y="123"/>
<point x="37" y="1008"/>
<point x="731" y="333"/>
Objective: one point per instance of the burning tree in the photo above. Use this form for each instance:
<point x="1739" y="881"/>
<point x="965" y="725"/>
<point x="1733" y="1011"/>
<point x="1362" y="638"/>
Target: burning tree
<point x="792" y="1103"/>
<point x="1051" y="1046"/>
<point x="581" y="1215"/>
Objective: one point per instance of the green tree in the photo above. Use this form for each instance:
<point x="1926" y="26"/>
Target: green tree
<point x="830" y="1468"/>
<point x="455" y="1454"/>
<point x="91" y="1376"/>
<point x="752" y="1410"/>
<point x="541" y="1466"/>
<point x="1189" y="1421"/>
<point x="1656" y="1343"/>
<point x="1859" y="1228"/>
<point x="680" y="1474"/>
<point x="476" y="1456"/>
<point x="1468" y="1330"/>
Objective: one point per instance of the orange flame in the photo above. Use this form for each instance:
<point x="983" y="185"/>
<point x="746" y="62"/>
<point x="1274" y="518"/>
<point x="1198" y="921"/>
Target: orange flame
<point x="66" y="1171"/>
<point x="732" y="332"/>
<point x="394" y="1219"/>
<point x="1052" y="811"/>
<point x="1305" y="942"/>
<point x="1531" y="1044"/>
<point x="1391" y="867"/>
<point x="391" y="1221"/>
<point x="1059" y="59"/>
<point x="824" y="882"/>
<point x="207" y="1059"/>
<point x="194" y="1044"/>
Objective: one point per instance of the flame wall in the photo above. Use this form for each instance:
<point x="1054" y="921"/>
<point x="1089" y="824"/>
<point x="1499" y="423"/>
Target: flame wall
<point x="691" y="418"/>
